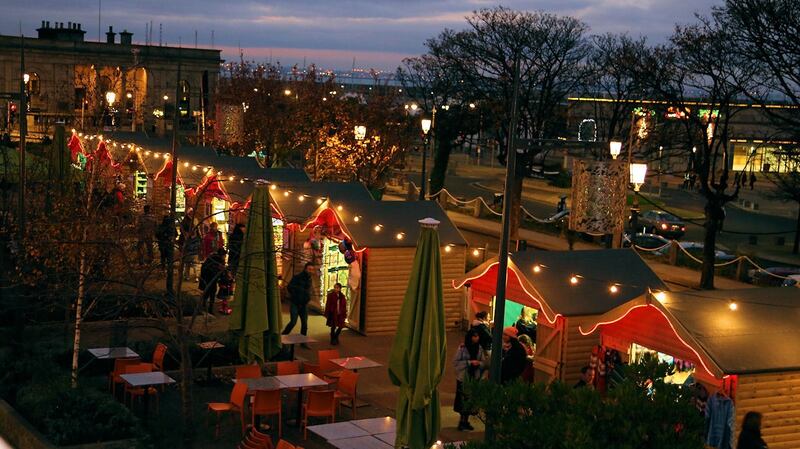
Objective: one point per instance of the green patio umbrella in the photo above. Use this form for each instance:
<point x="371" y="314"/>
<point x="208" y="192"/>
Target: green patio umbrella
<point x="256" y="315"/>
<point x="417" y="360"/>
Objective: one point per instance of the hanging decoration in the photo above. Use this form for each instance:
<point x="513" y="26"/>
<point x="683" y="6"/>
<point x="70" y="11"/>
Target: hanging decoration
<point x="165" y="174"/>
<point x="598" y="196"/>
<point x="211" y="187"/>
<point x="102" y="156"/>
<point x="75" y="147"/>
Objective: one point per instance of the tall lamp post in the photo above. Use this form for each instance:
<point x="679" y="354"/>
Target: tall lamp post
<point x="111" y="98"/>
<point x="638" y="172"/>
<point x="426" y="128"/>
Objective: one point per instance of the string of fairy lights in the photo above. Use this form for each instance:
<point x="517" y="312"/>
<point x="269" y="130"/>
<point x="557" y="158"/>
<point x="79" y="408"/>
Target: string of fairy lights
<point x="209" y="171"/>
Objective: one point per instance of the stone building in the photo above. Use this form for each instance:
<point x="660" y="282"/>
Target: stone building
<point x="114" y="84"/>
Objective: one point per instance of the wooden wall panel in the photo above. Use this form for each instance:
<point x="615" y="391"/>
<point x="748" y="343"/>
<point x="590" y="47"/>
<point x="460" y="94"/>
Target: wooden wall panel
<point x="777" y="397"/>
<point x="577" y="350"/>
<point x="388" y="271"/>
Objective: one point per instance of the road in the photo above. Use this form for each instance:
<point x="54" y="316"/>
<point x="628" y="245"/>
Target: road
<point x="739" y="225"/>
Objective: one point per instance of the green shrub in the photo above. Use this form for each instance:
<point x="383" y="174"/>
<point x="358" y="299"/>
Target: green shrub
<point x="631" y="416"/>
<point x="69" y="416"/>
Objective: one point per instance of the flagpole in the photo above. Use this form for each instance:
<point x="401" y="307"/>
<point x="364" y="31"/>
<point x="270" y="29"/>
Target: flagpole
<point x="495" y="372"/>
<point x="23" y="131"/>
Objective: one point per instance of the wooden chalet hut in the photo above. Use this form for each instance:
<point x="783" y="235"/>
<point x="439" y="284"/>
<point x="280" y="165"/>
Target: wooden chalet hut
<point x="739" y="343"/>
<point x="566" y="289"/>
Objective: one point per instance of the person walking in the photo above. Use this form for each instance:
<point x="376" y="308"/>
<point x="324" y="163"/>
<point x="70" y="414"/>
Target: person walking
<point x="514" y="357"/>
<point x="299" y="292"/>
<point x="470" y="363"/>
<point x="752" y="180"/>
<point x="145" y="232"/>
<point x="165" y="235"/>
<point x="210" y="273"/>
<point x="750" y="436"/>
<point x="235" y="247"/>
<point x="335" y="312"/>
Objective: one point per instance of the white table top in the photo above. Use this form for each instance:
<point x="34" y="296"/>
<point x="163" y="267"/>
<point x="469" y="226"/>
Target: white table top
<point x="339" y="430"/>
<point x="210" y="345"/>
<point x="261" y="383"/>
<point x="365" y="442"/>
<point x="113" y="353"/>
<point x="147" y="379"/>
<point x="388" y="437"/>
<point x="300" y="380"/>
<point x="296" y="338"/>
<point x="374" y="426"/>
<point x="355" y="362"/>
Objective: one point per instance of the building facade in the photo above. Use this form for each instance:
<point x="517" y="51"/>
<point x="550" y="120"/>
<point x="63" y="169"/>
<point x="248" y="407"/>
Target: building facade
<point x="114" y="84"/>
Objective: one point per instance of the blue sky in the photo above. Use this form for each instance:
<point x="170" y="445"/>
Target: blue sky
<point x="377" y="33"/>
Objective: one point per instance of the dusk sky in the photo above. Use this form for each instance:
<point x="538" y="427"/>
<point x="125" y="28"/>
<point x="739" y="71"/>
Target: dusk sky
<point x="330" y="33"/>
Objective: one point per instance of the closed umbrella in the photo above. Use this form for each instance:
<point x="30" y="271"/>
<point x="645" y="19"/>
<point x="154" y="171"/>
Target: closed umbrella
<point x="256" y="314"/>
<point x="417" y="359"/>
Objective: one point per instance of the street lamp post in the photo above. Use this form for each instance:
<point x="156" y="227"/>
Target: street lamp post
<point x="111" y="98"/>
<point x="427" y="124"/>
<point x="638" y="172"/>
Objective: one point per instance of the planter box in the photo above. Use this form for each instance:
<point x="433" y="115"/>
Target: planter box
<point x="21" y="434"/>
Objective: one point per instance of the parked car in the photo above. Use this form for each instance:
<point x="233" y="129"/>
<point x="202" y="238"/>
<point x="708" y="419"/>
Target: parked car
<point x="662" y="223"/>
<point x="646" y="241"/>
<point x="765" y="277"/>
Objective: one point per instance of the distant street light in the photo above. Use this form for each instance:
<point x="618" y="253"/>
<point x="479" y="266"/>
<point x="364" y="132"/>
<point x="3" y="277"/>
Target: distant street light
<point x="111" y="98"/>
<point x="614" y="147"/>
<point x="360" y="132"/>
<point x="287" y="92"/>
<point x="426" y="124"/>
<point x="26" y="78"/>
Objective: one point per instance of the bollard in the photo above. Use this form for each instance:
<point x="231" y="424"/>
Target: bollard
<point x="673" y="252"/>
<point x="476" y="208"/>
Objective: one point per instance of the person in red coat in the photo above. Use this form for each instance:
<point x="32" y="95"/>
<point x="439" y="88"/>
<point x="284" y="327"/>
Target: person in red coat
<point x="336" y="312"/>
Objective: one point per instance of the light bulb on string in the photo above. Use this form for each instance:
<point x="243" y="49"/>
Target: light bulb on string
<point x="660" y="296"/>
<point x="613" y="288"/>
<point x="573" y="280"/>
<point x="301" y="197"/>
<point x="319" y="200"/>
<point x="273" y="186"/>
<point x="339" y="208"/>
<point x="537" y="268"/>
<point x="356" y="218"/>
<point x="448" y="248"/>
<point x="185" y="164"/>
<point x="733" y="306"/>
<point x="378" y="227"/>
<point x="400" y="235"/>
<point x="286" y="193"/>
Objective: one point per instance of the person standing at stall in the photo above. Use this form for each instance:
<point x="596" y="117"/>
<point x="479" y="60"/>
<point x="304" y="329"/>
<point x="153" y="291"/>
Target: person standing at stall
<point x="482" y="326"/>
<point x="335" y="312"/>
<point x="165" y="235"/>
<point x="514" y="357"/>
<point x="470" y="363"/>
<point x="235" y="247"/>
<point x="299" y="292"/>
<point x="750" y="438"/>
<point x="212" y="241"/>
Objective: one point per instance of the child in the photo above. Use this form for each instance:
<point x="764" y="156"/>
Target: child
<point x="225" y="291"/>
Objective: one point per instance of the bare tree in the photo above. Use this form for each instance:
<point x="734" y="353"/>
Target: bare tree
<point x="700" y="76"/>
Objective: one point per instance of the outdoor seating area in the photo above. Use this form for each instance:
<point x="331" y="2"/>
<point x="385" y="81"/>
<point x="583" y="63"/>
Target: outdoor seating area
<point x="259" y="402"/>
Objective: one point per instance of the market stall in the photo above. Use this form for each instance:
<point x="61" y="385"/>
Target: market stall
<point x="566" y="289"/>
<point x="739" y="344"/>
<point x="377" y="241"/>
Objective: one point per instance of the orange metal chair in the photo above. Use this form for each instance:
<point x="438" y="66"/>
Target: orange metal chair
<point x="256" y="440"/>
<point x="328" y="368"/>
<point x="139" y="392"/>
<point x="119" y="368"/>
<point x="248" y="371"/>
<point x="266" y="403"/>
<point x="283" y="444"/>
<point x="158" y="356"/>
<point x="284" y="368"/>
<point x="319" y="403"/>
<point x="346" y="389"/>
<point x="236" y="404"/>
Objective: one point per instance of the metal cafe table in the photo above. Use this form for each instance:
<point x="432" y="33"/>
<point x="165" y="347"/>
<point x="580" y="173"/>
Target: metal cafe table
<point x="293" y="339"/>
<point x="356" y="363"/>
<point x="300" y="381"/>
<point x="147" y="380"/>
<point x="372" y="433"/>
<point x="113" y="353"/>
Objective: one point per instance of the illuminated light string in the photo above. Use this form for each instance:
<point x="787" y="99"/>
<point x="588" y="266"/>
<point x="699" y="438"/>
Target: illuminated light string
<point x="209" y="171"/>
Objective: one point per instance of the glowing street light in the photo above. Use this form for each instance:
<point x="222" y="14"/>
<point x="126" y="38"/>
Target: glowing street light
<point x="638" y="172"/>
<point x="614" y="147"/>
<point x="426" y="126"/>
<point x="360" y="132"/>
<point x="111" y="97"/>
